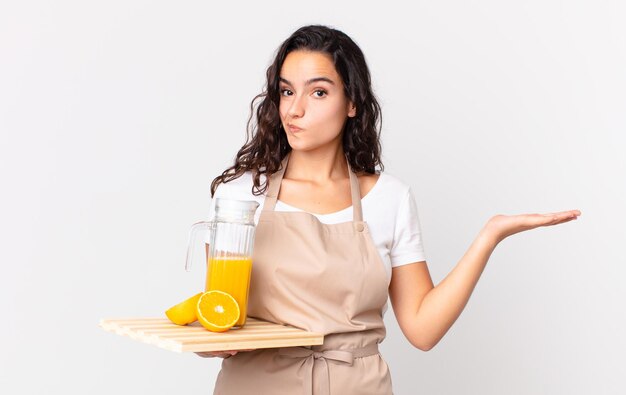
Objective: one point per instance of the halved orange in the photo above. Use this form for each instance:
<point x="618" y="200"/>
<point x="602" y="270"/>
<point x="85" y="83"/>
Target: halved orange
<point x="185" y="312"/>
<point x="217" y="311"/>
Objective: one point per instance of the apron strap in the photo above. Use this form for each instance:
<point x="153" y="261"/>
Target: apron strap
<point x="274" y="187"/>
<point x="357" y="211"/>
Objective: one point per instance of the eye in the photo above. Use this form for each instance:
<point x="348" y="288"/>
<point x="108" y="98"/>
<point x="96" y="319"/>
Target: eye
<point x="286" y="92"/>
<point x="320" y="93"/>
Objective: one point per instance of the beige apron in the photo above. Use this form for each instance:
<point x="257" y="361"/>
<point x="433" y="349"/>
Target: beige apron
<point x="327" y="278"/>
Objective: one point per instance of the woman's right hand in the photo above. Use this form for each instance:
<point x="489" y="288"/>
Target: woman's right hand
<point x="220" y="354"/>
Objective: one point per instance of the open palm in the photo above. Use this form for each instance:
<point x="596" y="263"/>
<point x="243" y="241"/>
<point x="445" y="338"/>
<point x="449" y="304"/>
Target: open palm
<point x="503" y="226"/>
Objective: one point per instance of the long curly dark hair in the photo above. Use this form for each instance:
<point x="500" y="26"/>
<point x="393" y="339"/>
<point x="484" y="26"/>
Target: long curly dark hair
<point x="266" y="143"/>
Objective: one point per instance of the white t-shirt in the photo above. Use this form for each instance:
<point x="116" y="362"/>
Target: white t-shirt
<point x="388" y="208"/>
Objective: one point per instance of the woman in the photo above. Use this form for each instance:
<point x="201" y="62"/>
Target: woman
<point x="335" y="238"/>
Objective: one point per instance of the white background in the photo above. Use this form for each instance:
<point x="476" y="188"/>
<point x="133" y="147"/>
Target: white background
<point x="115" y="117"/>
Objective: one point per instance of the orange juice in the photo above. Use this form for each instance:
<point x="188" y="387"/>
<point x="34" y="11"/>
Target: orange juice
<point x="231" y="275"/>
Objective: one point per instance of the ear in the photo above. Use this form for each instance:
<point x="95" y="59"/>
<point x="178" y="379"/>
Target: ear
<point x="351" y="110"/>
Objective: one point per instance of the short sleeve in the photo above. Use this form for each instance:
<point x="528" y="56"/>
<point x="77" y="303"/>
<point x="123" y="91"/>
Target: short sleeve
<point x="227" y="190"/>
<point x="219" y="192"/>
<point x="239" y="189"/>
<point x="407" y="246"/>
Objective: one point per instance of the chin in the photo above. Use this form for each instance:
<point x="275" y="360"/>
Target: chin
<point x="298" y="146"/>
<point x="307" y="146"/>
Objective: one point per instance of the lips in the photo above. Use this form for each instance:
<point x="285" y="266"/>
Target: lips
<point x="293" y="128"/>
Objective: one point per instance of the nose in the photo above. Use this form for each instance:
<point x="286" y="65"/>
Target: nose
<point x="296" y="109"/>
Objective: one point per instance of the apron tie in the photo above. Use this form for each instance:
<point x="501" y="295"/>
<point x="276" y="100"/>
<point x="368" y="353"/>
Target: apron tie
<point x="321" y="386"/>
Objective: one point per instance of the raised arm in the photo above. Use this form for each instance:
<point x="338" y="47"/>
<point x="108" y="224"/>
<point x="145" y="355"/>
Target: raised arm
<point x="425" y="312"/>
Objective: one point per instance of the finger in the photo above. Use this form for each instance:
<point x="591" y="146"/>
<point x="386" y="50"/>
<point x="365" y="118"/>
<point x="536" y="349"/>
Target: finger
<point x="222" y="354"/>
<point x="566" y="220"/>
<point x="205" y="354"/>
<point x="559" y="218"/>
<point x="563" y="214"/>
<point x="560" y="215"/>
<point x="213" y="354"/>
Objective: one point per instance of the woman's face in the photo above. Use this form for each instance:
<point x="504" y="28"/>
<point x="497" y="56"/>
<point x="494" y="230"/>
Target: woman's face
<point x="313" y="106"/>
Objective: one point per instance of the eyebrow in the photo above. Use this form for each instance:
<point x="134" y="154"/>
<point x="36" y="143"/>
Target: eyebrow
<point x="311" y="81"/>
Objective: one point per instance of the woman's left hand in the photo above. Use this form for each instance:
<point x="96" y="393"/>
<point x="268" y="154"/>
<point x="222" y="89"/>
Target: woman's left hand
<point x="221" y="354"/>
<point x="502" y="226"/>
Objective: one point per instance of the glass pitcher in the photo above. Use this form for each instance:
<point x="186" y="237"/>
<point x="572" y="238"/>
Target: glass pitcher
<point x="229" y="239"/>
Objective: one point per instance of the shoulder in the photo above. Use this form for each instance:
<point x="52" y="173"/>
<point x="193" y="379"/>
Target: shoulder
<point x="389" y="199"/>
<point x="367" y="181"/>
<point x="394" y="183"/>
<point x="389" y="186"/>
<point x="239" y="188"/>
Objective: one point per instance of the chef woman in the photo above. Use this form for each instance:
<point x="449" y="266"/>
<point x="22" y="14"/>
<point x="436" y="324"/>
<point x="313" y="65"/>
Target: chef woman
<point x="336" y="237"/>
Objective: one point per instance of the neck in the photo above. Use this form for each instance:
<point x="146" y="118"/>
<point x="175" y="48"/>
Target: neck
<point x="318" y="167"/>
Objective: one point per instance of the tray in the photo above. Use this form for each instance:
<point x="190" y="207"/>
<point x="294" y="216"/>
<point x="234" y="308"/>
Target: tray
<point x="256" y="333"/>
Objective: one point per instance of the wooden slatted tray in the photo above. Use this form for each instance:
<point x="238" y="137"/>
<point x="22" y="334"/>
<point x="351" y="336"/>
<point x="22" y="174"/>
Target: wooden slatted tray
<point x="255" y="334"/>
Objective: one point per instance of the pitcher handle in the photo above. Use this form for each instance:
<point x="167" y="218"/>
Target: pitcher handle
<point x="193" y="239"/>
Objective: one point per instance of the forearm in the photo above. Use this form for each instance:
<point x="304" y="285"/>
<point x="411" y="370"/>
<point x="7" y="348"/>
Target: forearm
<point x="443" y="304"/>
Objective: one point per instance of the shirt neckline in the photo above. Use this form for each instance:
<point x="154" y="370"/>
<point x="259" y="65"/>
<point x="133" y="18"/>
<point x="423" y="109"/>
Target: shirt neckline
<point x="374" y="188"/>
